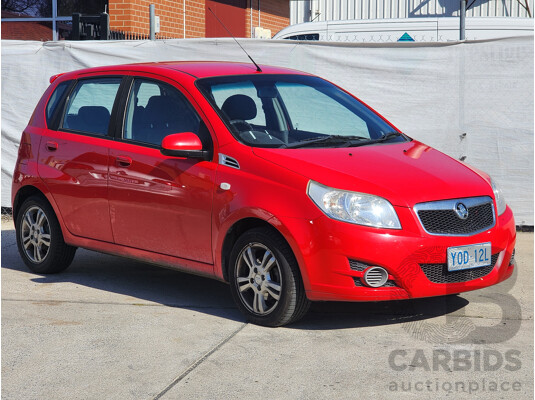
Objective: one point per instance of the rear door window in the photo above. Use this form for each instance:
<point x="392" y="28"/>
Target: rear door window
<point x="90" y="105"/>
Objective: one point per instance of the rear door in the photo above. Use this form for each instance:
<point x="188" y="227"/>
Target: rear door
<point x="158" y="203"/>
<point x="73" y="156"/>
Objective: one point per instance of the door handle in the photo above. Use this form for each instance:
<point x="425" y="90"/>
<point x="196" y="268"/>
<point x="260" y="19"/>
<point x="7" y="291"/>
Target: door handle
<point x="52" y="146"/>
<point x="123" y="161"/>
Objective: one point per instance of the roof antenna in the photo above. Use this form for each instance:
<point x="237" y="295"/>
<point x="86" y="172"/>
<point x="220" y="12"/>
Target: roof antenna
<point x="222" y="24"/>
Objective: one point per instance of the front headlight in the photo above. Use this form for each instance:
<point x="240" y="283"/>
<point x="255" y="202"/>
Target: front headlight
<point x="353" y="207"/>
<point x="500" y="199"/>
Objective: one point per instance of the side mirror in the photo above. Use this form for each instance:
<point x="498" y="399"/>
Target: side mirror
<point x="185" y="144"/>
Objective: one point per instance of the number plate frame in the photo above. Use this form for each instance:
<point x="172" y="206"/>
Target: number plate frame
<point x="469" y="256"/>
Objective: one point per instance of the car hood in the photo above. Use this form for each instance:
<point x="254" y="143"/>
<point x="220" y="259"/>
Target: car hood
<point x="404" y="173"/>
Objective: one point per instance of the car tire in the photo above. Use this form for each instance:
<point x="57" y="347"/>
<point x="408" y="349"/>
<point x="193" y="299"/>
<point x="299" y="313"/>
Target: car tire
<point x="265" y="280"/>
<point x="39" y="238"/>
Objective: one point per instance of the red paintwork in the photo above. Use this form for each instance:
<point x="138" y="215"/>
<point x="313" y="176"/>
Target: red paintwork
<point x="357" y="169"/>
<point x="54" y="77"/>
<point x="131" y="200"/>
<point x="182" y="141"/>
<point x="76" y="174"/>
<point x="161" y="204"/>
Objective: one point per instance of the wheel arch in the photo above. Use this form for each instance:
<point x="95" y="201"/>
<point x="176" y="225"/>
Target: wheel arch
<point x="22" y="194"/>
<point x="51" y="256"/>
<point x="235" y="231"/>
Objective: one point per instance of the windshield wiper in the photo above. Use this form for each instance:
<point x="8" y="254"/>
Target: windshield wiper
<point x="349" y="141"/>
<point x="325" y="140"/>
<point x="387" y="136"/>
<point x="384" y="138"/>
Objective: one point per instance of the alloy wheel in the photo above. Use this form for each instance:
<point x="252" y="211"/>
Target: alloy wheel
<point x="35" y="234"/>
<point x="258" y="278"/>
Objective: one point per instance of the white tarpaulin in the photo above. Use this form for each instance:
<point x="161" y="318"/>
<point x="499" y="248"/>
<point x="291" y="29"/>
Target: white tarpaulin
<point x="471" y="100"/>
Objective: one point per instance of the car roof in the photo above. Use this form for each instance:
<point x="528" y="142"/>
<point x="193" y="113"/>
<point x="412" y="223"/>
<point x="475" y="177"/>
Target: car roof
<point x="196" y="69"/>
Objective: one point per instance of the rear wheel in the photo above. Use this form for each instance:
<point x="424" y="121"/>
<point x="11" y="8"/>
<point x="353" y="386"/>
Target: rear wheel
<point x="39" y="238"/>
<point x="265" y="279"/>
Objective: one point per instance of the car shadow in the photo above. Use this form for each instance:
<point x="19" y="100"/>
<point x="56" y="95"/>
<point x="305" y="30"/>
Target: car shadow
<point x="341" y="315"/>
<point x="175" y="289"/>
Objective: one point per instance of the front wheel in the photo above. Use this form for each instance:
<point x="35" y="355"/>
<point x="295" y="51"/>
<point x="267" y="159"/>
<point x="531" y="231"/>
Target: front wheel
<point x="39" y="238"/>
<point x="265" y="280"/>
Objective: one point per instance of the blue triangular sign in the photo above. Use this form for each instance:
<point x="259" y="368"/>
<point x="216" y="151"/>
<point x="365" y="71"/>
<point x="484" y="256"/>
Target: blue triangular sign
<point x="406" y="38"/>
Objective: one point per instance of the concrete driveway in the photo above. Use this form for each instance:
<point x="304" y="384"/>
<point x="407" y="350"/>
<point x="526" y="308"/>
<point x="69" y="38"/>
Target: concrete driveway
<point x="110" y="328"/>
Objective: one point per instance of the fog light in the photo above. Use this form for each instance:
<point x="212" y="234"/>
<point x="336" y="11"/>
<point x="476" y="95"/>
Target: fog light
<point x="375" y="277"/>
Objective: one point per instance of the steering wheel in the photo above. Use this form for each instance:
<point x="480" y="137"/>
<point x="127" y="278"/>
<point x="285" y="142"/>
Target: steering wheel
<point x="241" y="125"/>
<point x="260" y="138"/>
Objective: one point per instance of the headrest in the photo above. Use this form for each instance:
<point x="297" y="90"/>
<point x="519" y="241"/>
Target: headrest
<point x="239" y="106"/>
<point x="92" y="113"/>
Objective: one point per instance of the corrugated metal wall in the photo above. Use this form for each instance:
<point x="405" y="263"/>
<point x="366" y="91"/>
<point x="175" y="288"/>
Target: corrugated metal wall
<point x="328" y="10"/>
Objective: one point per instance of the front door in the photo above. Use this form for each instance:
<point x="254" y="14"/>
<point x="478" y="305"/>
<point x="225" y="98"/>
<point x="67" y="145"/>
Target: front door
<point x="158" y="203"/>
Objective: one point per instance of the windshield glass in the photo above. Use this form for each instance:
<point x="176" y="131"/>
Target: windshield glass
<point x="293" y="111"/>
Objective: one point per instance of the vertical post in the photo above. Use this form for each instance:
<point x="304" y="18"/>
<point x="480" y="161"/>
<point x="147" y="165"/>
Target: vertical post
<point x="251" y="17"/>
<point x="152" y="21"/>
<point x="462" y="28"/>
<point x="54" y="23"/>
<point x="75" y="33"/>
<point x="259" y="13"/>
<point x="184" y="19"/>
<point x="104" y="26"/>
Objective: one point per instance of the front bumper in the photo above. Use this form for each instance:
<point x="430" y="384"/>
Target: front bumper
<point x="324" y="248"/>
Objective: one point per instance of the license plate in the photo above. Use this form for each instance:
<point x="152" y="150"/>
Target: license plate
<point x="466" y="257"/>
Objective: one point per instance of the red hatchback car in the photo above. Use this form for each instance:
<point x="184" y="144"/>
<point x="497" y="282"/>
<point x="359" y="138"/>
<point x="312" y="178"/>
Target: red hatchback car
<point x="276" y="181"/>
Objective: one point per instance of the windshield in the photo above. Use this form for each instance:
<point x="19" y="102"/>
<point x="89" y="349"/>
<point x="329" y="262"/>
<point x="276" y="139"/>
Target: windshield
<point x="291" y="111"/>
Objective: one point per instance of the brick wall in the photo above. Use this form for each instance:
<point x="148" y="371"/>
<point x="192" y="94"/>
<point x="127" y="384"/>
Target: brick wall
<point x="133" y="16"/>
<point x="195" y="18"/>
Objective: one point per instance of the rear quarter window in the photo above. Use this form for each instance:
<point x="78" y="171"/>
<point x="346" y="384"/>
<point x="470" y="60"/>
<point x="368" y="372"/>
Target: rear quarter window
<point x="55" y="100"/>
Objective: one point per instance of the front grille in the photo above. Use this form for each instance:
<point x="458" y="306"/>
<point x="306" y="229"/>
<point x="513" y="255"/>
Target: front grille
<point x="440" y="218"/>
<point x="357" y="265"/>
<point x="438" y="273"/>
<point x="359" y="283"/>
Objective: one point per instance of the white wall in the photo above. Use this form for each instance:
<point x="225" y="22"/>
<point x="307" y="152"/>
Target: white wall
<point x="305" y="10"/>
<point x="432" y="92"/>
